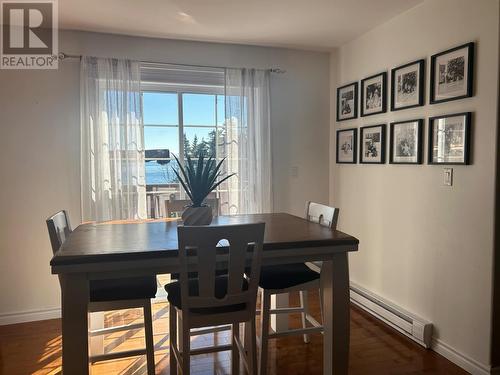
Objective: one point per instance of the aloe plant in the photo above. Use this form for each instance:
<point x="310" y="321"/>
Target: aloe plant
<point x="200" y="178"/>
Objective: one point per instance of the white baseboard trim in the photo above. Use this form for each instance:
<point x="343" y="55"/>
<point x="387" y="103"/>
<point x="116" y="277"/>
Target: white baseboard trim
<point x="30" y="316"/>
<point x="468" y="364"/>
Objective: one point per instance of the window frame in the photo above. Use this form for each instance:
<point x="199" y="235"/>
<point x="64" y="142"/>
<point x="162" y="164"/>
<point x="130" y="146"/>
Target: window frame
<point x="180" y="90"/>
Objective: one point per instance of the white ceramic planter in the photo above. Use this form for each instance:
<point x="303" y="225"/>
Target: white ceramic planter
<point x="197" y="215"/>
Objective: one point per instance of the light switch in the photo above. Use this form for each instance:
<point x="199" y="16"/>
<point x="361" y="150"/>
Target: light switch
<point x="294" y="171"/>
<point x="448" y="176"/>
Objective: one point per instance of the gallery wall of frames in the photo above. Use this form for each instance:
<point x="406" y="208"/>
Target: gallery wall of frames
<point x="449" y="135"/>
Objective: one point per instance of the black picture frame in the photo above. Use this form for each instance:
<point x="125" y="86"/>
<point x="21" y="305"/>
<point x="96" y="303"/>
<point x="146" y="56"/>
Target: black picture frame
<point x="354" y="146"/>
<point x="362" y="145"/>
<point x="467" y="135"/>
<point x="383" y="78"/>
<point x="355" y="104"/>
<point x="418" y="146"/>
<point x="421" y="83"/>
<point x="469" y="69"/>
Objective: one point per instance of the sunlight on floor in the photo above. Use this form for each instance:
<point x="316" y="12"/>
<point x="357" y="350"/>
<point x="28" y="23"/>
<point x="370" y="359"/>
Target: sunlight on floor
<point x="49" y="359"/>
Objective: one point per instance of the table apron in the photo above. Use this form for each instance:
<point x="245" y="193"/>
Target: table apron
<point x="165" y="265"/>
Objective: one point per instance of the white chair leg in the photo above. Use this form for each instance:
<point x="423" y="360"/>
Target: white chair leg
<point x="264" y="329"/>
<point x="149" y="338"/>
<point x="172" y="331"/>
<point x="179" y="331"/>
<point x="280" y="322"/>
<point x="305" y="310"/>
<point x="321" y="305"/>
<point x="235" y="352"/>
<point x="96" y="321"/>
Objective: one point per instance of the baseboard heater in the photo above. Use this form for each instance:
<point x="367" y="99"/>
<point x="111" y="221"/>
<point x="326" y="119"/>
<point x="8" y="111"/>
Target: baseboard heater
<point x="403" y="321"/>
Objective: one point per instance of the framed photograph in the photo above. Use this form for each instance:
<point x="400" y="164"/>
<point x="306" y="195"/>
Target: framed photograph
<point x="347" y="102"/>
<point x="452" y="74"/>
<point x="346" y="146"/>
<point x="406" y="142"/>
<point x="372" y="147"/>
<point x="374" y="94"/>
<point x="407" y="85"/>
<point x="449" y="139"/>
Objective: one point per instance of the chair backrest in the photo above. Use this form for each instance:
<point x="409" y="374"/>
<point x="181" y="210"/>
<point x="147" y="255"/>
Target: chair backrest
<point x="198" y="252"/>
<point x="59" y="229"/>
<point x="174" y="207"/>
<point x="324" y="215"/>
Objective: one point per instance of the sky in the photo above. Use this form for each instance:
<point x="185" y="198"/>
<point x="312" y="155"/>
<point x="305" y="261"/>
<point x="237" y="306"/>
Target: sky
<point x="162" y="109"/>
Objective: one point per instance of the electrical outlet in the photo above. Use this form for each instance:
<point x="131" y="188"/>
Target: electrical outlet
<point x="448" y="176"/>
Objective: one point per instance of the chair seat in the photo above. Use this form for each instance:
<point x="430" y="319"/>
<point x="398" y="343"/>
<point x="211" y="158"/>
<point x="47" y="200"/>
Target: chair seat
<point x="174" y="295"/>
<point x="286" y="276"/>
<point x="123" y="289"/>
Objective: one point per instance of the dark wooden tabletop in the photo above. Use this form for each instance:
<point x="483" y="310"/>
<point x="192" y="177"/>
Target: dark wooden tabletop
<point x="108" y="242"/>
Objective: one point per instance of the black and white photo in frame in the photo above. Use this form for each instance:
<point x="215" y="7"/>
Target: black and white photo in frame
<point x="449" y="139"/>
<point x="452" y="74"/>
<point x="406" y="142"/>
<point x="374" y="94"/>
<point x="347" y="102"/>
<point x="407" y="85"/>
<point x="372" y="146"/>
<point x="346" y="146"/>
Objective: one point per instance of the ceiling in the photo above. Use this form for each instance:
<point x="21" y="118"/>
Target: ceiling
<point x="308" y="24"/>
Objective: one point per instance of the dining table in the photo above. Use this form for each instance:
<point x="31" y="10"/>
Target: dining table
<point x="97" y="251"/>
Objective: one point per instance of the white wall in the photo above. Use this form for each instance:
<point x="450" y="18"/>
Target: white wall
<point x="39" y="144"/>
<point x="425" y="246"/>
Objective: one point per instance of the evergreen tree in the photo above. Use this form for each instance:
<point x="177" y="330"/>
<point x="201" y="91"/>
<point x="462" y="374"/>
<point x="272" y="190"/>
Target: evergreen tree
<point x="206" y="146"/>
<point x="212" y="143"/>
<point x="187" y="145"/>
<point x="201" y="148"/>
<point x="194" y="146"/>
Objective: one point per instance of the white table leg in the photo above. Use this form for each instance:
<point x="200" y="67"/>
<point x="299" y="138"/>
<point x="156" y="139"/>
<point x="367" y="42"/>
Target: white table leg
<point x="335" y="284"/>
<point x="75" y="296"/>
<point x="279" y="322"/>
<point x="96" y="342"/>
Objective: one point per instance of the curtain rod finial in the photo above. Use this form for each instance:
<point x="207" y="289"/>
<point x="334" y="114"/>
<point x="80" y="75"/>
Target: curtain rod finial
<point x="277" y="70"/>
<point x="64" y="56"/>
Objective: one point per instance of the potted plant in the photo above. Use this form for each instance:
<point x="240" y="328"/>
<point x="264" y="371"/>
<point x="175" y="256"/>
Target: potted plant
<point x="198" y="180"/>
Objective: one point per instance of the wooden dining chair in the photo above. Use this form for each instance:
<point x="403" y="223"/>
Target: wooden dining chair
<point x="213" y="299"/>
<point x="323" y="215"/>
<point x="173" y="209"/>
<point x="113" y="294"/>
<point x="288" y="278"/>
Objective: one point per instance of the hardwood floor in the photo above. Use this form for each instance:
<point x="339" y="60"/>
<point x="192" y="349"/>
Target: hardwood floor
<point x="35" y="348"/>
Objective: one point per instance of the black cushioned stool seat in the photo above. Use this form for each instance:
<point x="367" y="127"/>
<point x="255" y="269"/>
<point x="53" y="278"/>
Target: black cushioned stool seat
<point x="123" y="289"/>
<point x="286" y="276"/>
<point x="174" y="295"/>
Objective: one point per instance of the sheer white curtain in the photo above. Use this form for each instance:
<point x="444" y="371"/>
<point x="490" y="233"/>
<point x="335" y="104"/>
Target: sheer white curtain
<point x="248" y="141"/>
<point x="112" y="140"/>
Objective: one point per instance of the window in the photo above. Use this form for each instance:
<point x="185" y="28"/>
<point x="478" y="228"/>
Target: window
<point x="185" y="110"/>
<point x="179" y="123"/>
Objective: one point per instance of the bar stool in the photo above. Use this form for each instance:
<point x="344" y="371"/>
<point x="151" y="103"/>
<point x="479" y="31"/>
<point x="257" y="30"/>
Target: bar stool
<point x="291" y="278"/>
<point x="113" y="294"/>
